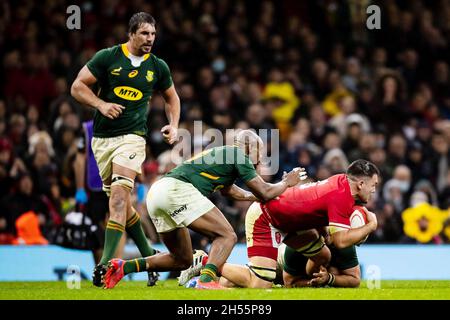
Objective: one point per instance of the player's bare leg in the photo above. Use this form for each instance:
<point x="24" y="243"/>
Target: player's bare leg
<point x="215" y="226"/>
<point x="135" y="230"/>
<point x="291" y="281"/>
<point x="243" y="277"/>
<point x="120" y="184"/>
<point x="179" y="257"/>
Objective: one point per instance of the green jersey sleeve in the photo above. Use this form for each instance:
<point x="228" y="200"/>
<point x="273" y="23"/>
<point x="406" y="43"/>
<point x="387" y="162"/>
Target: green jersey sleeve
<point x="244" y="167"/>
<point x="165" y="78"/>
<point x="99" y="63"/>
<point x="294" y="262"/>
<point x="344" y="258"/>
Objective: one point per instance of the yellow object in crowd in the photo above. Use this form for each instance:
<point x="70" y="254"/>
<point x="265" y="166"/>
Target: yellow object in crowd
<point x="423" y="222"/>
<point x="330" y="103"/>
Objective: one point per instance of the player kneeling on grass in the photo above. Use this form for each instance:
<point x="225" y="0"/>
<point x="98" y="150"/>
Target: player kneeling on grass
<point x="179" y="201"/>
<point x="343" y="270"/>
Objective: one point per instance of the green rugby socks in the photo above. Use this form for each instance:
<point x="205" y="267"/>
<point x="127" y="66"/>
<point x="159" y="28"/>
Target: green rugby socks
<point x="208" y="273"/>
<point x="135" y="265"/>
<point x="135" y="231"/>
<point x="113" y="234"/>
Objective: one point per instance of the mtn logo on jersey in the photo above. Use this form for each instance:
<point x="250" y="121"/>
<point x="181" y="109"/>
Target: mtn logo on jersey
<point x="128" y="93"/>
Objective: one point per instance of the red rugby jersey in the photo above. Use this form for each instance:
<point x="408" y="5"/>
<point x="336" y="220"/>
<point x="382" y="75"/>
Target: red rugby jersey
<point x="312" y="205"/>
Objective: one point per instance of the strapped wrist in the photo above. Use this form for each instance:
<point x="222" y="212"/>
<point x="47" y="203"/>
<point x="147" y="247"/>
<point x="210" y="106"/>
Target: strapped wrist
<point x="331" y="279"/>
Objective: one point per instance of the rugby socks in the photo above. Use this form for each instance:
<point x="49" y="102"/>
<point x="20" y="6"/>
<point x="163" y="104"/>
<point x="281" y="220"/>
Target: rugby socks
<point x="208" y="273"/>
<point x="135" y="265"/>
<point x="134" y="229"/>
<point x="113" y="234"/>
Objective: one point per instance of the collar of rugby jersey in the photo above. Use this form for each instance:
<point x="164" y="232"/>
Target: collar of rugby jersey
<point x="135" y="60"/>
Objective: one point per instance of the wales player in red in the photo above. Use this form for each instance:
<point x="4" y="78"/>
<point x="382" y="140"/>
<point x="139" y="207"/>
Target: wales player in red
<point x="293" y="218"/>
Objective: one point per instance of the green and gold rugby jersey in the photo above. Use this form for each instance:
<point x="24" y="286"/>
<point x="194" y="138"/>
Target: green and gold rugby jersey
<point x="214" y="169"/>
<point x="342" y="259"/>
<point x="121" y="82"/>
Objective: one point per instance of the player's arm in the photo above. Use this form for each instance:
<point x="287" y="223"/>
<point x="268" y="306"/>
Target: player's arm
<point x="348" y="278"/>
<point x="291" y="281"/>
<point x="79" y="168"/>
<point x="82" y="92"/>
<point x="344" y="238"/>
<point x="266" y="191"/>
<point x="173" y="114"/>
<point x="236" y="193"/>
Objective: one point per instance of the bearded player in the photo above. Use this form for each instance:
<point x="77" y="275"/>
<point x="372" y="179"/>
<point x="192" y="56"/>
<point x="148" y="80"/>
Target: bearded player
<point x="293" y="218"/>
<point x="125" y="77"/>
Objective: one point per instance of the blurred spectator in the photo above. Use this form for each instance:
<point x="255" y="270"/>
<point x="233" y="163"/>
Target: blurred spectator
<point x="20" y="201"/>
<point x="336" y="161"/>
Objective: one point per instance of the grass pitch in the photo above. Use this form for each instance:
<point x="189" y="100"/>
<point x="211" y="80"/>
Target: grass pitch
<point x="169" y="290"/>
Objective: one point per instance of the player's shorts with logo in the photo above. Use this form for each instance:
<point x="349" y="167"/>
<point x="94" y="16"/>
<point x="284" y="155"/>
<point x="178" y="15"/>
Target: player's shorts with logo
<point x="127" y="151"/>
<point x="172" y="203"/>
<point x="263" y="239"/>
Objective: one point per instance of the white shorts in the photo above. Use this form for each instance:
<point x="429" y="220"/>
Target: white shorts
<point x="172" y="203"/>
<point x="127" y="151"/>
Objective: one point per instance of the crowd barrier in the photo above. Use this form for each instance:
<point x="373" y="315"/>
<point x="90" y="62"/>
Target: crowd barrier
<point x="385" y="262"/>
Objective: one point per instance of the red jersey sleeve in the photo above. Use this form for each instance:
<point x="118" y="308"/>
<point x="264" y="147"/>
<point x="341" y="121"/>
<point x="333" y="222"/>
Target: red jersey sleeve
<point x="338" y="216"/>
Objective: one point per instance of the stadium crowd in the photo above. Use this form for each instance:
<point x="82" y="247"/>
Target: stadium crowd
<point x="336" y="90"/>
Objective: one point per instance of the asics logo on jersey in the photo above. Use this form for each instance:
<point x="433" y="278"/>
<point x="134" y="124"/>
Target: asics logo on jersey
<point x="128" y="93"/>
<point x="116" y="71"/>
<point x="133" y="74"/>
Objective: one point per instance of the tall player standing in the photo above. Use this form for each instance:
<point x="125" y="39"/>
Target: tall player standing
<point x="126" y="75"/>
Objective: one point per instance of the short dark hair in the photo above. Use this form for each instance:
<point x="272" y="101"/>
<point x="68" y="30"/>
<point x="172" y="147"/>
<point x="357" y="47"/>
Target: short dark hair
<point x="138" y="19"/>
<point x="362" y="168"/>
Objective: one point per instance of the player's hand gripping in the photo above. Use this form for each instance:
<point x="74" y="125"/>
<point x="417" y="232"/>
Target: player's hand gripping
<point x="170" y="134"/>
<point x="110" y="110"/>
<point x="294" y="176"/>
<point x="371" y="219"/>
<point x="321" y="278"/>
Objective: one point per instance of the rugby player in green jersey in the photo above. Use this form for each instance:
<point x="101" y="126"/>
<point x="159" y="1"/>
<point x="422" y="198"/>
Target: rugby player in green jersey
<point x="292" y="270"/>
<point x="343" y="270"/>
<point x="125" y="77"/>
<point x="179" y="201"/>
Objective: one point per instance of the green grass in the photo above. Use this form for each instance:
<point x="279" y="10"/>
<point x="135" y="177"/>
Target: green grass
<point x="169" y="290"/>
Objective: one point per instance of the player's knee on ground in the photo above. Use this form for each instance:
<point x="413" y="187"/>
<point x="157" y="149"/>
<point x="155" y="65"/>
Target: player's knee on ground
<point x="224" y="282"/>
<point x="354" y="283"/>
<point x="291" y="281"/>
<point x="261" y="277"/>
<point x="288" y="279"/>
